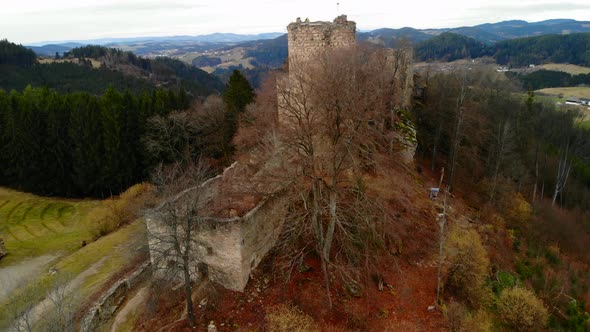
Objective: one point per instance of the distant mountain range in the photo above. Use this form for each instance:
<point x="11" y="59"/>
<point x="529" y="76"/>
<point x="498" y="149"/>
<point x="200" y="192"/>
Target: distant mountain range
<point x="488" y="33"/>
<point x="506" y="41"/>
<point x="50" y="47"/>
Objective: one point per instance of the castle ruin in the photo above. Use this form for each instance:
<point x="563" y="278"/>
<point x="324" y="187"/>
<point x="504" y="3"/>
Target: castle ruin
<point x="307" y="39"/>
<point x="241" y="214"/>
<point x="244" y="208"/>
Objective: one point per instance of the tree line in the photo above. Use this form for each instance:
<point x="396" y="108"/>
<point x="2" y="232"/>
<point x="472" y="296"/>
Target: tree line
<point x="66" y="77"/>
<point x="77" y="144"/>
<point x="572" y="48"/>
<point x="541" y="79"/>
<point x="121" y="69"/>
<point x="501" y="140"/>
<point x="13" y="54"/>
<point x="449" y="47"/>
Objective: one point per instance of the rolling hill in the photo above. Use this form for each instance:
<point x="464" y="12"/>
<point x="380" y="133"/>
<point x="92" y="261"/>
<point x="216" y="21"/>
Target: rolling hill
<point x="488" y="33"/>
<point x="94" y="68"/>
<point x="449" y="47"/>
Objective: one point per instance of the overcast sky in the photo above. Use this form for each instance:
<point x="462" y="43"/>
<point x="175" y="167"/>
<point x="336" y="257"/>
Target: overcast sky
<point x="26" y="21"/>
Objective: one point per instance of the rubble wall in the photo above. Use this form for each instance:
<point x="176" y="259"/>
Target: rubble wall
<point x="225" y="250"/>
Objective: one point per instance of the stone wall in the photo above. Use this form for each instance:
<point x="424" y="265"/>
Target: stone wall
<point x="306" y="38"/>
<point x="306" y="42"/>
<point x="104" y="309"/>
<point x="260" y="230"/>
<point x="227" y="249"/>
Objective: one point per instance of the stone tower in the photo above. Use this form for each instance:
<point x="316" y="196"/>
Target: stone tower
<point x="307" y="39"/>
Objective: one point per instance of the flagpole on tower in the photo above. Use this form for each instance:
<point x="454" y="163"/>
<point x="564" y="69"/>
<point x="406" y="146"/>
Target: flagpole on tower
<point x="337" y="8"/>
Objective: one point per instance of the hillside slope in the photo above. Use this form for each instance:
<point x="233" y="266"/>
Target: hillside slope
<point x="57" y="242"/>
<point x="94" y="69"/>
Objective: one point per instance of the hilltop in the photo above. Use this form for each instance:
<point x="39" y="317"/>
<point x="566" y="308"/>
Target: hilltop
<point x="95" y="68"/>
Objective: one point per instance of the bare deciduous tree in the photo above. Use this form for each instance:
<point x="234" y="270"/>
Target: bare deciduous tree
<point x="61" y="319"/>
<point x="177" y="220"/>
<point x="334" y="113"/>
<point x="188" y="134"/>
<point x="55" y="313"/>
<point x="21" y="313"/>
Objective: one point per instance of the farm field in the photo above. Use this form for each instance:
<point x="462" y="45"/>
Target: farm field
<point x="95" y="63"/>
<point x="580" y="92"/>
<point x="570" y="69"/>
<point x="33" y="226"/>
<point x="583" y="92"/>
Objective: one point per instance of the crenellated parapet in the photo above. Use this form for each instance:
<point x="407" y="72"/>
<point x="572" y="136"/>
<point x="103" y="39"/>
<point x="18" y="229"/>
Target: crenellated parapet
<point x="307" y="39"/>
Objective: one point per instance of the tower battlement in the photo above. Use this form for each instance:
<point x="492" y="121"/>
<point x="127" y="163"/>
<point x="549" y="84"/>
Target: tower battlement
<point x="306" y="39"/>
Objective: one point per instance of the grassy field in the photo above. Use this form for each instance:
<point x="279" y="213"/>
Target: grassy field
<point x="583" y="92"/>
<point x="32" y="226"/>
<point x="35" y="227"/>
<point x="570" y="69"/>
<point x="95" y="63"/>
<point x="552" y="94"/>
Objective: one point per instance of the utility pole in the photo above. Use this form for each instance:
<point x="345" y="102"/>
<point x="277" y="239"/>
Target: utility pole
<point x="442" y="217"/>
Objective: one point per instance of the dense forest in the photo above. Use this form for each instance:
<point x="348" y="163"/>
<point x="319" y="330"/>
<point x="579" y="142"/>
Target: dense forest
<point x="77" y="144"/>
<point x="83" y="145"/>
<point x="13" y="54"/>
<point x="69" y="77"/>
<point x="494" y="134"/>
<point x="541" y="79"/>
<point x="69" y="129"/>
<point x="572" y="48"/>
<point x="122" y="70"/>
<point x="206" y="61"/>
<point x="449" y="47"/>
<point x="162" y="70"/>
<point x="521" y="165"/>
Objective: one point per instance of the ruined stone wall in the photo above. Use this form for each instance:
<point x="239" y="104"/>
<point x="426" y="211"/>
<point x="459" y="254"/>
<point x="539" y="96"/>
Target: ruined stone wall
<point x="103" y="310"/>
<point x="226" y="250"/>
<point x="260" y="230"/>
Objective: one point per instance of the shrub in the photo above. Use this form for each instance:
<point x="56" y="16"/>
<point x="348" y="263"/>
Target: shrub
<point x="125" y="208"/>
<point x="462" y="320"/>
<point x="288" y="318"/>
<point x="577" y="318"/>
<point x="521" y="310"/>
<point x="479" y="321"/>
<point x="552" y="255"/>
<point x="504" y="280"/>
<point x="517" y="209"/>
<point x="469" y="265"/>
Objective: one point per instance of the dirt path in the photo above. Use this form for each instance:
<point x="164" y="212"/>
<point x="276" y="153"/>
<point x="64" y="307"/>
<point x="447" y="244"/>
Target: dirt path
<point x="14" y="276"/>
<point x="42" y="307"/>
<point x="136" y="301"/>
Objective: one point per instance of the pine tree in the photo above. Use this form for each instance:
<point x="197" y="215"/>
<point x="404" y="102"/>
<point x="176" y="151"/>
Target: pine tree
<point x="237" y="95"/>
